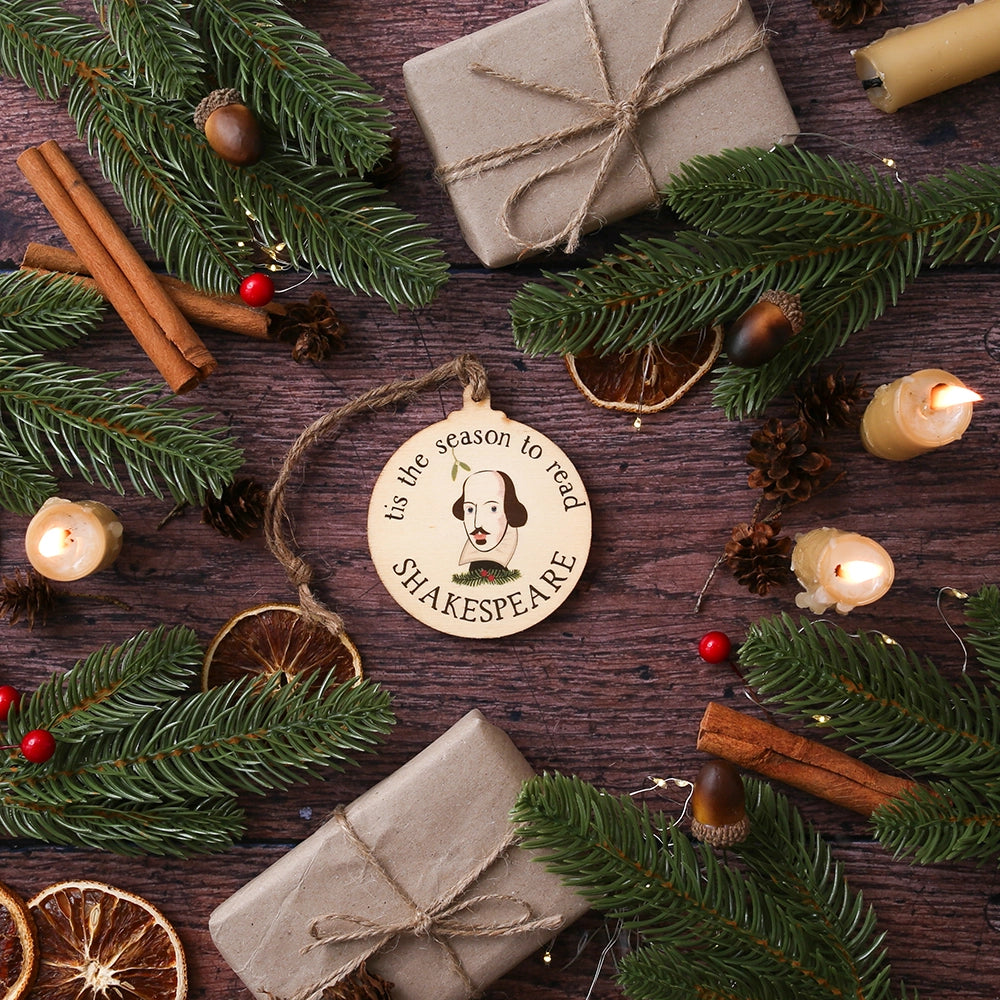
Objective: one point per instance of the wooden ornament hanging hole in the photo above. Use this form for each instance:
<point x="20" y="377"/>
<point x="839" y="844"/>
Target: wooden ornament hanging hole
<point x="479" y="526"/>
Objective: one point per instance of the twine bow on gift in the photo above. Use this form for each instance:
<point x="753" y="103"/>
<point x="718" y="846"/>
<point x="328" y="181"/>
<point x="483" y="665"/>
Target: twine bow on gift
<point x="444" y="918"/>
<point x="614" y="120"/>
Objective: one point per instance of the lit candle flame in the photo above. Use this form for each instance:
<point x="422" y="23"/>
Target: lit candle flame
<point x="858" y="571"/>
<point x="54" y="541"/>
<point x="945" y="394"/>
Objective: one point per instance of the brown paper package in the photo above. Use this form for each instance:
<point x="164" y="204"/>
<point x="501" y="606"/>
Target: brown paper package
<point x="464" y="112"/>
<point x="434" y="819"/>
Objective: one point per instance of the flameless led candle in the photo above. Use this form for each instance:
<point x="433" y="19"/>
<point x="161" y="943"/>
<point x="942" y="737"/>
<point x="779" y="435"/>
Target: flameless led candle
<point x="68" y="540"/>
<point x="840" y="569"/>
<point x="908" y="64"/>
<point x="916" y="413"/>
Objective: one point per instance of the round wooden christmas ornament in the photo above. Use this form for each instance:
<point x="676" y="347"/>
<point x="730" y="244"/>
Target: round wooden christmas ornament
<point x="479" y="526"/>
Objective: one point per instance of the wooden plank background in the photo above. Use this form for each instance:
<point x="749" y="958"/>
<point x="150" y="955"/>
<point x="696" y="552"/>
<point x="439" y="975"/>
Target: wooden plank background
<point x="610" y="687"/>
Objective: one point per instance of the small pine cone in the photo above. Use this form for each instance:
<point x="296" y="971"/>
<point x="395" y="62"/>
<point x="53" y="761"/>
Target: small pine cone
<point x="828" y="401"/>
<point x="313" y="327"/>
<point x="784" y="466"/>
<point x="360" y="985"/>
<point x="238" y="510"/>
<point x="847" y="13"/>
<point x="28" y="596"/>
<point x="758" y="557"/>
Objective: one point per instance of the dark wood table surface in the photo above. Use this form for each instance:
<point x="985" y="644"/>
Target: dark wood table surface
<point x="610" y="687"/>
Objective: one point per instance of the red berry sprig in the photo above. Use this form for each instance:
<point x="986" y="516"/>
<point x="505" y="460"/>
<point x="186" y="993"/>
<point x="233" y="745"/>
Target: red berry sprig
<point x="256" y="290"/>
<point x="38" y="745"/>
<point x="715" y="647"/>
<point x="10" y="698"/>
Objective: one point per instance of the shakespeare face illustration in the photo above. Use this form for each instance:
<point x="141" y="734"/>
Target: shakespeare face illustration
<point x="491" y="513"/>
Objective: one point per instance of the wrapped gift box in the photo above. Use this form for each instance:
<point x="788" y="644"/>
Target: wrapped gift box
<point x="534" y="80"/>
<point x="391" y="877"/>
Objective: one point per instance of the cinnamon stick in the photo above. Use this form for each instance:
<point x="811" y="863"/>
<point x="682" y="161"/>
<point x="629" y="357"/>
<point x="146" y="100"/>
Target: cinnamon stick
<point x="220" y="312"/>
<point x="176" y="370"/>
<point x="176" y="328"/>
<point x="794" y="760"/>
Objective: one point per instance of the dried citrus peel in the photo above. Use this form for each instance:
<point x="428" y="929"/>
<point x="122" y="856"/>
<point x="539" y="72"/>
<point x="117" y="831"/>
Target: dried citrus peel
<point x="18" y="945"/>
<point x="649" y="379"/>
<point x="97" y="942"/>
<point x="272" y="639"/>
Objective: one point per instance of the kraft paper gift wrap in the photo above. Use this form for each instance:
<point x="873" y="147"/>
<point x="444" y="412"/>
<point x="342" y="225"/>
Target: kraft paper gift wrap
<point x="565" y="149"/>
<point x="431" y="826"/>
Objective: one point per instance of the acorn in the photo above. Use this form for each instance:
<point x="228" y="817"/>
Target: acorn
<point x="763" y="329"/>
<point x="718" y="805"/>
<point x="230" y="127"/>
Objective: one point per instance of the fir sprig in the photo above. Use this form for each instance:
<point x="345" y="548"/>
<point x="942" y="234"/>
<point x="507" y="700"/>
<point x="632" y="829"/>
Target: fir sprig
<point x="785" y="928"/>
<point x="86" y="424"/>
<point x="161" y="769"/>
<point x="893" y="705"/>
<point x="848" y="241"/>
<point x="318" y="105"/>
<point x="323" y="126"/>
<point x="45" y="313"/>
<point x="173" y="66"/>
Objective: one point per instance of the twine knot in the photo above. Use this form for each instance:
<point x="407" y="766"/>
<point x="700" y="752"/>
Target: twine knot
<point x="613" y="120"/>
<point x="448" y="916"/>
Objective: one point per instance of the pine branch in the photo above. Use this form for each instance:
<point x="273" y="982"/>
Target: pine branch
<point x="141" y="766"/>
<point x="982" y="611"/>
<point x="847" y="241"/>
<point x="24" y="484"/>
<point x="706" y="928"/>
<point x="179" y="192"/>
<point x="285" y="72"/>
<point x="75" y="418"/>
<point x="31" y="33"/>
<point x="45" y="313"/>
<point x="889" y="702"/>
<point x="171" y="829"/>
<point x="175" y="64"/>
<point x="113" y="687"/>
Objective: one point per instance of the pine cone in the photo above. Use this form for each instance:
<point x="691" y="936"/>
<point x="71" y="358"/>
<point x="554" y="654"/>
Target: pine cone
<point x="28" y="596"/>
<point x="847" y="13"/>
<point x="313" y="327"/>
<point x="828" y="401"/>
<point x="238" y="510"/>
<point x="758" y="558"/>
<point x="360" y="985"/>
<point x="784" y="464"/>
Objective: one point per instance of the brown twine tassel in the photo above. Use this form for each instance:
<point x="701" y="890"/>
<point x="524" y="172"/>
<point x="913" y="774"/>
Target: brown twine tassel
<point x="466" y="368"/>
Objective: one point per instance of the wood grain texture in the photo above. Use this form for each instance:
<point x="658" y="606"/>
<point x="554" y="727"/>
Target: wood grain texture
<point x="611" y="687"/>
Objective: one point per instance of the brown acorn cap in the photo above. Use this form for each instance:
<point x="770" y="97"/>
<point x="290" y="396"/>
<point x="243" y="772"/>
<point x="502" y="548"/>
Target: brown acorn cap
<point x="215" y="100"/>
<point x="789" y="303"/>
<point x="722" y="836"/>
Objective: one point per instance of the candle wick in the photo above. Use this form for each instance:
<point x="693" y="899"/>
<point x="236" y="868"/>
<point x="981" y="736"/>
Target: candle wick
<point x="871" y="83"/>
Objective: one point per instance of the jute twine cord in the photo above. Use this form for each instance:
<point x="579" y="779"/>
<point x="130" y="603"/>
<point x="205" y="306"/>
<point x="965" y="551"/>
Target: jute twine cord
<point x="615" y="119"/>
<point x="439" y="921"/>
<point x="466" y="368"/>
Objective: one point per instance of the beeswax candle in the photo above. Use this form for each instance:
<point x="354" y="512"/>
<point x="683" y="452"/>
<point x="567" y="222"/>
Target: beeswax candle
<point x="67" y="540"/>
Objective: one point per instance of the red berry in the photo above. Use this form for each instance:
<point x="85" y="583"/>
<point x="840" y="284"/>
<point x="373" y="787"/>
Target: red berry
<point x="38" y="745"/>
<point x="9" y="698"/>
<point x="256" y="290"/>
<point x="715" y="647"/>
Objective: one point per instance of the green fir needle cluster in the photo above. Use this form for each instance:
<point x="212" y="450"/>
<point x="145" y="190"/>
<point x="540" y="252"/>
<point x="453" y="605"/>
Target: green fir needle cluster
<point x="846" y="239"/>
<point x="143" y="766"/>
<point x="897" y="707"/>
<point x="61" y="418"/>
<point x="132" y="81"/>
<point x="773" y="919"/>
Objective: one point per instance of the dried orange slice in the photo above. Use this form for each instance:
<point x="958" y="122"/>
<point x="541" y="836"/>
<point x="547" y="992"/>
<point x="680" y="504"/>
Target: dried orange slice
<point x="271" y="639"/>
<point x="18" y="945"/>
<point x="97" y="943"/>
<point x="649" y="379"/>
